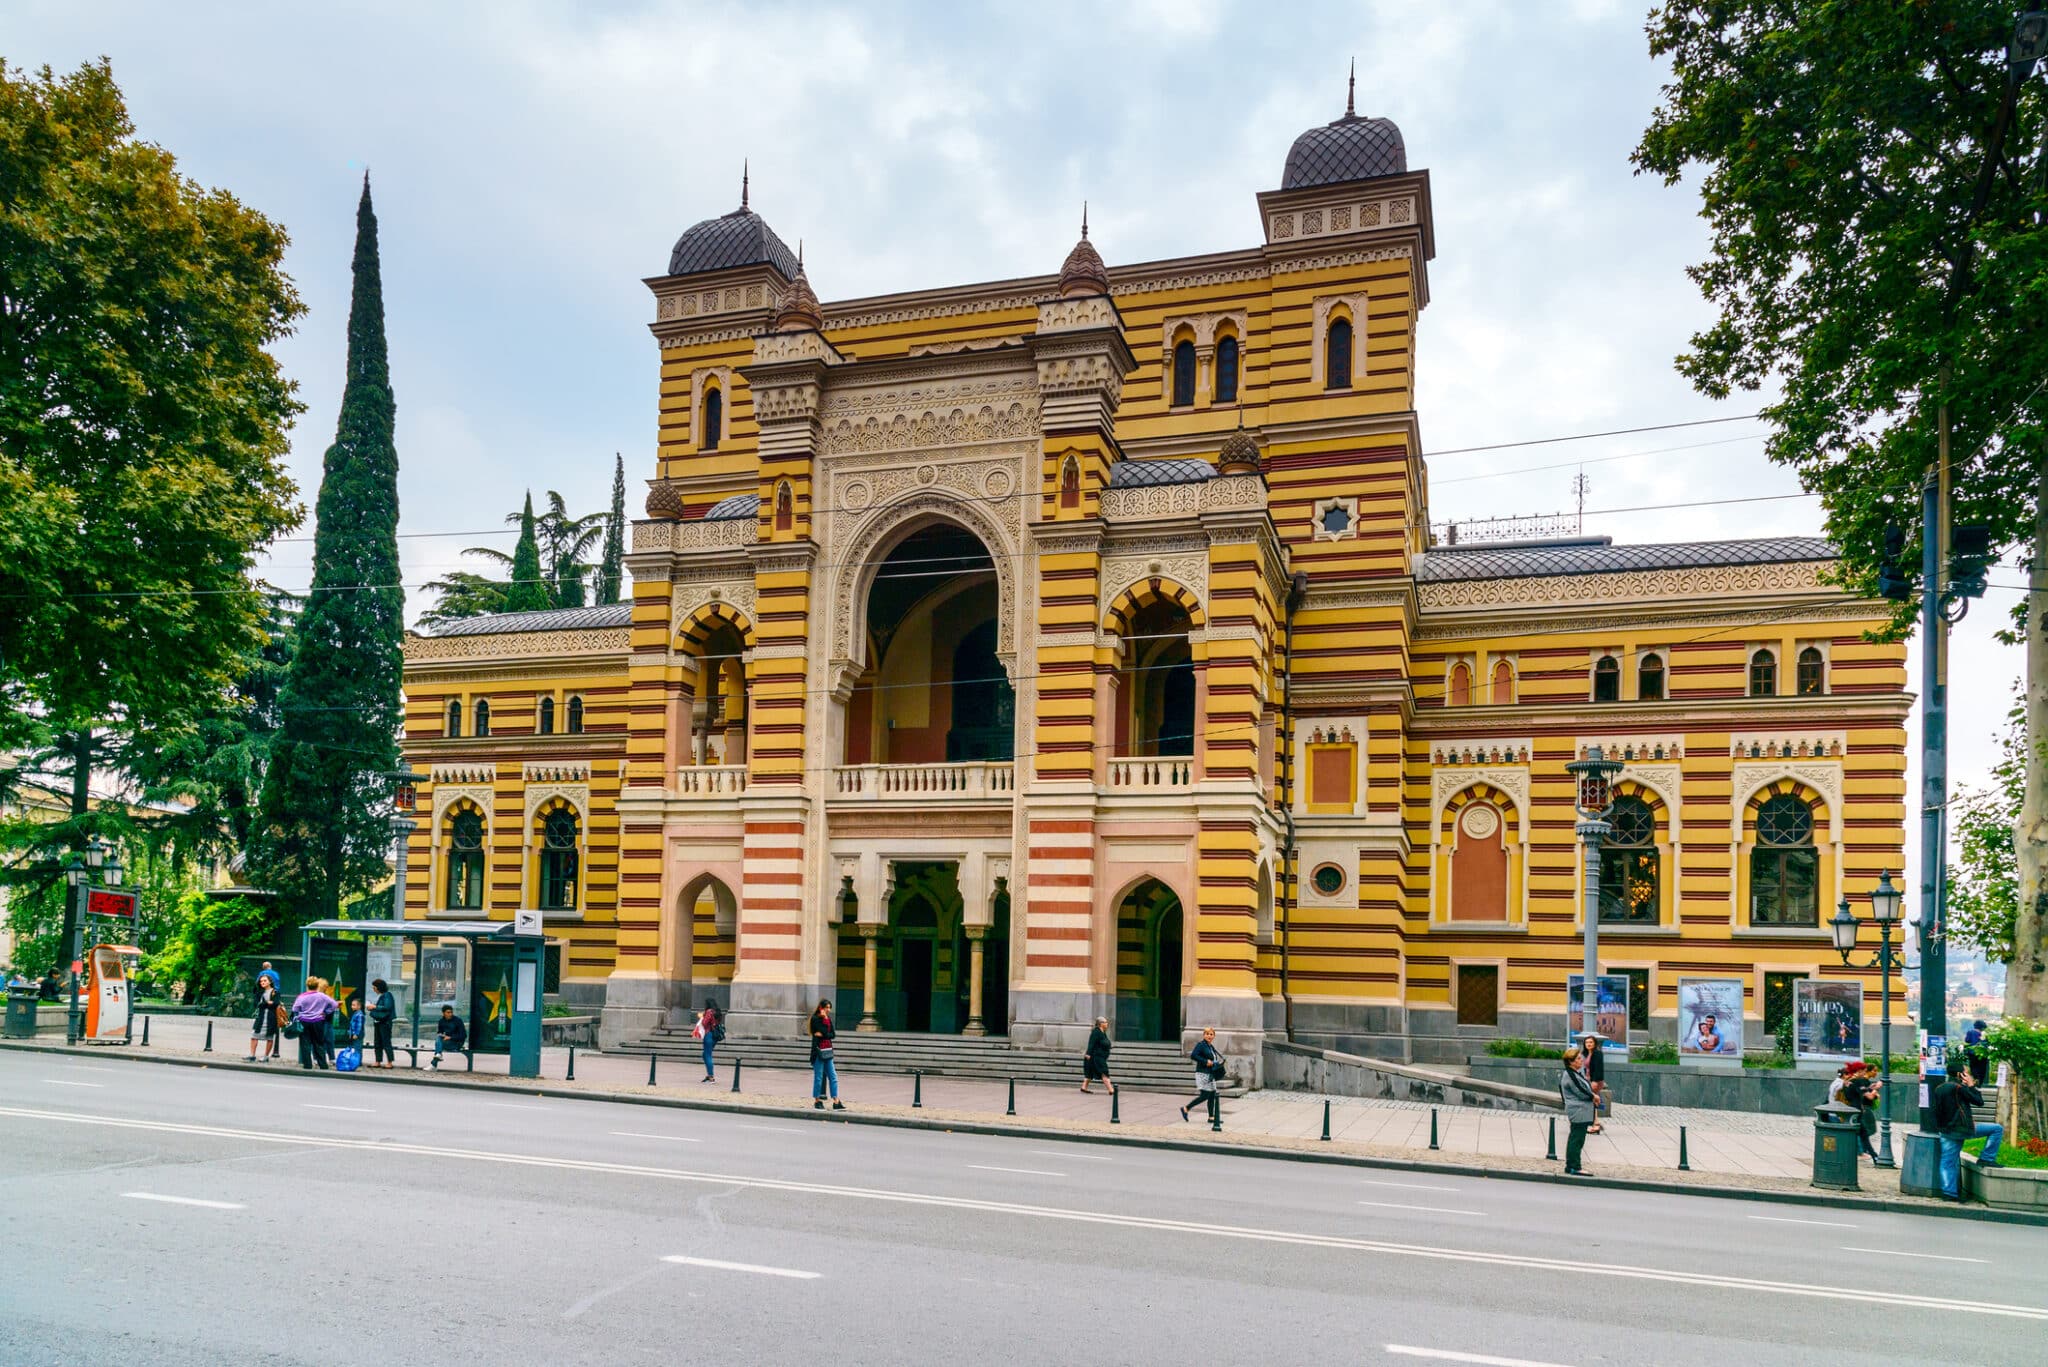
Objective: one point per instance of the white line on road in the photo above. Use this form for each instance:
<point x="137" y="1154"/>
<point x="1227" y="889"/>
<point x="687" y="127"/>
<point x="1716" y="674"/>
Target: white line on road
<point x="316" y="1106"/>
<point x="1787" y="1220"/>
<point x="1897" y="1253"/>
<point x="1433" y="1210"/>
<point x="183" y="1200"/>
<point x="776" y="1129"/>
<point x="1084" y="1157"/>
<point x="60" y="1082"/>
<point x="1028" y="1172"/>
<point x="1574" y="1270"/>
<point x="1447" y="1355"/>
<point x="743" y="1267"/>
<point x="1412" y="1186"/>
<point x="635" y="1134"/>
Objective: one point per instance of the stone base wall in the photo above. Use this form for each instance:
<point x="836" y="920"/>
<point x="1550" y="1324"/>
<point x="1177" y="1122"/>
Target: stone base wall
<point x="1302" y="1068"/>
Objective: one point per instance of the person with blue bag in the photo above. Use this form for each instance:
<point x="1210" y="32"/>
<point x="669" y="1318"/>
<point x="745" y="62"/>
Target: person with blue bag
<point x="349" y="1057"/>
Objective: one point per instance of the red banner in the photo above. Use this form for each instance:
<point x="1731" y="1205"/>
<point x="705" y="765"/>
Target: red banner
<point x="101" y="902"/>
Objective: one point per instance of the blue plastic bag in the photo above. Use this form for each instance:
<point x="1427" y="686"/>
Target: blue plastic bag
<point x="348" y="1059"/>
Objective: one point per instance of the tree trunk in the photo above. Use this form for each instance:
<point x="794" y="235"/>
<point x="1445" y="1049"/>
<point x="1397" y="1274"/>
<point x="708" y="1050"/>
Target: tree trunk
<point x="2026" y="982"/>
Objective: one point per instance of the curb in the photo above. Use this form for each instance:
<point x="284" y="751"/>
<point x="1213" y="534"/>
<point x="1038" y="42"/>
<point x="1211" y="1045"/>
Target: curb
<point x="538" y="1087"/>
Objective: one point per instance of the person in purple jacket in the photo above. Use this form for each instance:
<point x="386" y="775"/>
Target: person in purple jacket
<point x="313" y="1009"/>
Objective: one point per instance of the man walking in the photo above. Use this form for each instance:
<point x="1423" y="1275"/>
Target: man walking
<point x="1956" y="1124"/>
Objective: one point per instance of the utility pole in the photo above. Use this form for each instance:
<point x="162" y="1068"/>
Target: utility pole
<point x="1921" y="1174"/>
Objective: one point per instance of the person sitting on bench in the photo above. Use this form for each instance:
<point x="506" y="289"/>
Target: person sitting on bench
<point x="449" y="1033"/>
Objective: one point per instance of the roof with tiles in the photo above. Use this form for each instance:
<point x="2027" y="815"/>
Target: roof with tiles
<point x="1599" y="555"/>
<point x="547" y="619"/>
<point x="1138" y="474"/>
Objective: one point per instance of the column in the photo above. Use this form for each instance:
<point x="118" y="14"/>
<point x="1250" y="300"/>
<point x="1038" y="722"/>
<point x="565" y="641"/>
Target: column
<point x="975" y="950"/>
<point x="870" y="936"/>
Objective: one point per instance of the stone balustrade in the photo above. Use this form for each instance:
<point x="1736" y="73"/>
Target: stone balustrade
<point x="1160" y="773"/>
<point x="924" y="782"/>
<point x="711" y="780"/>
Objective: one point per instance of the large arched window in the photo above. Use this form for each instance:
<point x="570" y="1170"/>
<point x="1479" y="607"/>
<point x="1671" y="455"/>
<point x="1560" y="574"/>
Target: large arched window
<point x="1784" y="867"/>
<point x="455" y="716"/>
<point x="1763" y="675"/>
<point x="1503" y="681"/>
<point x="1183" y="373"/>
<point x="1459" y="694"/>
<point x="1226" y="370"/>
<point x="1650" y="678"/>
<point x="558" y="860"/>
<point x="575" y="716"/>
<point x="1337" y="355"/>
<point x="714" y="418"/>
<point x="1812" y="678"/>
<point x="483" y="716"/>
<point x="465" y="861"/>
<point x="1607" y="679"/>
<point x="547" y="717"/>
<point x="1628" y="864"/>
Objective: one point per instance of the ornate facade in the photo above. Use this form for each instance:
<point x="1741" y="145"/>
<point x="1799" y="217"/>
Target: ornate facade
<point x="1006" y="655"/>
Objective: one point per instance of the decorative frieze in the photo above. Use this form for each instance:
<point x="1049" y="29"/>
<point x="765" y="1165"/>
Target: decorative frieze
<point x="557" y="771"/>
<point x="459" y="773"/>
<point x="1714" y="581"/>
<point x="1633" y="748"/>
<point x="1790" y="745"/>
<point x="517" y="645"/>
<point x="723" y="534"/>
<point x="1469" y="752"/>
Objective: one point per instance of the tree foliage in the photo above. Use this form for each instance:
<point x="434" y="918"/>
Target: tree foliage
<point x="527" y="590"/>
<point x="547" y="567"/>
<point x="1984" y="879"/>
<point x="1865" y="171"/>
<point x="323" y="830"/>
<point x="612" y="570"/>
<point x="207" y="940"/>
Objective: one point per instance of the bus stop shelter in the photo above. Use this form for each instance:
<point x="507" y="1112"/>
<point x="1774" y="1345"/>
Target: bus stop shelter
<point x="418" y="932"/>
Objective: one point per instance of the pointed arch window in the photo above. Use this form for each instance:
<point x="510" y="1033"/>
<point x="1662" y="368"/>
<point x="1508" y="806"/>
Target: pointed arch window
<point x="547" y="717"/>
<point x="1650" y="678"/>
<point x="785" y="507"/>
<point x="465" y="891"/>
<point x="1607" y="679"/>
<point x="1337" y="355"/>
<point x="1763" y="675"/>
<point x="483" y="716"/>
<point x="558" y="860"/>
<point x="1226" y="370"/>
<point x="1070" y="483"/>
<point x="1812" y="677"/>
<point x="714" y="418"/>
<point x="1459" y="693"/>
<point x="1629" y="870"/>
<point x="455" y="716"/>
<point x="1183" y="373"/>
<point x="1503" y="682"/>
<point x="1784" y="866"/>
<point x="575" y="716"/>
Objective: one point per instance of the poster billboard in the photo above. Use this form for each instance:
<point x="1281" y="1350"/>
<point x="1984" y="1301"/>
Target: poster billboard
<point x="1829" y="1020"/>
<point x="1710" y="1018"/>
<point x="1612" y="1026"/>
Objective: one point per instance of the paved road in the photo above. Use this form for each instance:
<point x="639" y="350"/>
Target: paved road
<point x="175" y="1216"/>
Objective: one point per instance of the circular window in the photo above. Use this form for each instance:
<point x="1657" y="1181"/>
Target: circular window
<point x="1328" y="880"/>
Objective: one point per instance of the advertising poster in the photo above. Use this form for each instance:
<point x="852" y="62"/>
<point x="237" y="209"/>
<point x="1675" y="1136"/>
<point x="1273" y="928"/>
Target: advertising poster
<point x="490" y="1011"/>
<point x="441" y="975"/>
<point x="1612" y="1027"/>
<point x="1829" y="1018"/>
<point x="1710" y="1018"/>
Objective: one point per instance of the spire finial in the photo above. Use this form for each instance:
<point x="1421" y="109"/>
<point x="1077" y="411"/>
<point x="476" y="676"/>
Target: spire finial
<point x="1351" y="92"/>
<point x="799" y="256"/>
<point x="744" y="173"/>
<point x="1084" y="220"/>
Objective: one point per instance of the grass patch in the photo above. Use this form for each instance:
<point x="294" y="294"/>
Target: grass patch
<point x="2027" y="1153"/>
<point x="1521" y="1048"/>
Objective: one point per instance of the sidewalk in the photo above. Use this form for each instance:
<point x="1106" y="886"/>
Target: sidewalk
<point x="1733" y="1153"/>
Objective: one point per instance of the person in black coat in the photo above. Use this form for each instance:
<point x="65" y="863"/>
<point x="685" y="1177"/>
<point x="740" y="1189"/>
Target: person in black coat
<point x="1095" y="1067"/>
<point x="1209" y="1071"/>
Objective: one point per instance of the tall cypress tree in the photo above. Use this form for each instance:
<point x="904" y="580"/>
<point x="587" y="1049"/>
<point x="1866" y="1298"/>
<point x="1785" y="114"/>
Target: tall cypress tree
<point x="529" y="589"/>
<point x="322" y="831"/>
<point x="611" y="571"/>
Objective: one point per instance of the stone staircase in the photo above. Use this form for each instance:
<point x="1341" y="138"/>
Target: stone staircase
<point x="1146" y="1066"/>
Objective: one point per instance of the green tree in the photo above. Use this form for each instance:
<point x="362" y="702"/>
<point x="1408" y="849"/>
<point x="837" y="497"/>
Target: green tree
<point x="1878" y="257"/>
<point x="207" y="941"/>
<point x="1984" y="875"/>
<point x="143" y="425"/>
<point x="322" y="829"/>
<point x="464" y="594"/>
<point x="565" y="547"/>
<point x="528" y="590"/>
<point x="612" y="570"/>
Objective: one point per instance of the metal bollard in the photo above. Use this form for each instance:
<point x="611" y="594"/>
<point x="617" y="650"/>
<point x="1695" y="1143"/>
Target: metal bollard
<point x="736" y="1062"/>
<point x="469" y="1060"/>
<point x="1326" y="1120"/>
<point x="1432" y="1129"/>
<point x="1114" y="1117"/>
<point x="145" y="1032"/>
<point x="1683" y="1166"/>
<point x="1013" y="1098"/>
<point x="1216" y="1112"/>
<point x="128" y="1030"/>
<point x="570" y="1076"/>
<point x="916" y="1089"/>
<point x="651" y="1058"/>
<point x="209" y="1039"/>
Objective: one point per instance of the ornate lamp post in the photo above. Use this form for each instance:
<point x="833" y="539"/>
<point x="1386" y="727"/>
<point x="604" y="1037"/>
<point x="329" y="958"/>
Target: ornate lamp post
<point x="1594" y="795"/>
<point x="79" y="872"/>
<point x="1886" y="903"/>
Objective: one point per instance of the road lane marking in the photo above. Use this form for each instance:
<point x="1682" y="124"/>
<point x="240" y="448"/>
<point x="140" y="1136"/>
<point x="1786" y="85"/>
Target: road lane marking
<point x="1412" y="1186"/>
<point x="316" y="1106"/>
<point x="183" y="1200"/>
<point x="722" y="1266"/>
<point x="1028" y="1172"/>
<point x="1448" y="1355"/>
<point x="1084" y="1157"/>
<point x="635" y="1134"/>
<point x="1433" y="1210"/>
<point x="1788" y="1220"/>
<point x="1572" y="1269"/>
<point x="776" y="1129"/>
<point x="1899" y="1253"/>
<point x="61" y="1082"/>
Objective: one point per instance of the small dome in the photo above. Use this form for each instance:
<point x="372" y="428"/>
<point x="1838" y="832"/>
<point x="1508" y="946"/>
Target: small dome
<point x="734" y="506"/>
<point x="1239" y="455"/>
<point x="800" y="309"/>
<point x="1144" y="474"/>
<point x="1083" y="272"/>
<point x="1351" y="148"/>
<point x="740" y="238"/>
<point x="664" y="499"/>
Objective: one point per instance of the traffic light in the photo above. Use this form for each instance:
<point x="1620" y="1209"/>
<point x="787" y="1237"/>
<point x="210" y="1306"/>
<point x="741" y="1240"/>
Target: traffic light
<point x="1969" y="559"/>
<point x="1892" y="580"/>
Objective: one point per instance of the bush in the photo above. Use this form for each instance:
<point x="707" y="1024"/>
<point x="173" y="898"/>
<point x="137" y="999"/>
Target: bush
<point x="1656" y="1051"/>
<point x="2023" y="1045"/>
<point x="1521" y="1048"/>
<point x="207" y="941"/>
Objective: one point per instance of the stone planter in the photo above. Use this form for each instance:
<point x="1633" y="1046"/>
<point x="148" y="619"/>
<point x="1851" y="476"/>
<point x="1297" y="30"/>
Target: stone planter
<point x="561" y="1031"/>
<point x="2006" y="1188"/>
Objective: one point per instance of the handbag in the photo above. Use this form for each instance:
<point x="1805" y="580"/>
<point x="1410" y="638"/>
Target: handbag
<point x="718" y="1034"/>
<point x="348" y="1060"/>
<point x="292" y="1029"/>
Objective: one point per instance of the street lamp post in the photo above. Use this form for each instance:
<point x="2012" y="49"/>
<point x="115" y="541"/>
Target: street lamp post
<point x="1886" y="903"/>
<point x="79" y="871"/>
<point x="1593" y="796"/>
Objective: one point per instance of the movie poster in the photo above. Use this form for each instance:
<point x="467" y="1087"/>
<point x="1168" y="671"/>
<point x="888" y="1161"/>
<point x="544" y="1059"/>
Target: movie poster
<point x="1829" y="1018"/>
<point x="1710" y="1018"/>
<point x="1612" y="1027"/>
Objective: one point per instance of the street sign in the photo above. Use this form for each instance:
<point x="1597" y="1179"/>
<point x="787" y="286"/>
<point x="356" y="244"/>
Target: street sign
<point x="107" y="902"/>
<point x="526" y="921"/>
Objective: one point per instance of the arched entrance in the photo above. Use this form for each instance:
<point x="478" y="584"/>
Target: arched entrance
<point x="707" y="916"/>
<point x="921" y="960"/>
<point x="718" y="696"/>
<point x="1149" y="963"/>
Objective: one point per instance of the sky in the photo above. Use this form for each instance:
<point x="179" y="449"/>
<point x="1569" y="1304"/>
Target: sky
<point x="532" y="164"/>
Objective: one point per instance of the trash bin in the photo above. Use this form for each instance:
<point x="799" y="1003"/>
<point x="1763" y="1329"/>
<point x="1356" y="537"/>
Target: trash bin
<point x="1835" y="1133"/>
<point x="21" y="1013"/>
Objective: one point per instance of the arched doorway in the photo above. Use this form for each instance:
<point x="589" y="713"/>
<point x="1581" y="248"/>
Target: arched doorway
<point x="707" y="942"/>
<point x="922" y="961"/>
<point x="1149" y="963"/>
<point x="718" y="703"/>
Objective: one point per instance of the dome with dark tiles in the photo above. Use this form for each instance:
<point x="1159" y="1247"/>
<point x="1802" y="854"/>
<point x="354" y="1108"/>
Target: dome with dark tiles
<point x="1139" y="474"/>
<point x="1083" y="272"/>
<point x="1351" y="148"/>
<point x="734" y="506"/>
<point x="740" y="238"/>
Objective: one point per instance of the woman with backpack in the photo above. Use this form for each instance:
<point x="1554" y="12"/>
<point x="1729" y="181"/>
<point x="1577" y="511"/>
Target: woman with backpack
<point x="1208" y="1071"/>
<point x="710" y="1032"/>
<point x="263" y="1026"/>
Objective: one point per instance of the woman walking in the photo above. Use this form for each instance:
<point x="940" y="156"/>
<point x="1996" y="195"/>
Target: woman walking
<point x="383" y="1014"/>
<point x="1095" y="1067"/>
<point x="710" y="1032"/>
<point x="823" y="1073"/>
<point x="1208" y="1071"/>
<point x="311" y="1011"/>
<point x="1859" y="1089"/>
<point x="1576" y="1090"/>
<point x="263" y="1025"/>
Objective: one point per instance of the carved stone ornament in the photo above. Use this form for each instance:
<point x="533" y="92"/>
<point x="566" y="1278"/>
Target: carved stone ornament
<point x="1446" y="784"/>
<point x="577" y="795"/>
<point x="664" y="499"/>
<point x="723" y="534"/>
<point x="1480" y="820"/>
<point x="858" y="557"/>
<point x="689" y="598"/>
<point x="1666" y="781"/>
<point x="1125" y="571"/>
<point x="1746" y="776"/>
<point x="449" y="796"/>
<point x="1641" y="585"/>
<point x="460" y="773"/>
<point x="1469" y="752"/>
<point x="518" y="645"/>
<point x="785" y="403"/>
<point x="1085" y="311"/>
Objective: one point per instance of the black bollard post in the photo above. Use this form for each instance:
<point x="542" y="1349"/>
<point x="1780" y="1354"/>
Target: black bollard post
<point x="1432" y="1128"/>
<point x="128" y="1030"/>
<point x="1683" y="1166"/>
<point x="1013" y="1098"/>
<point x="570" y="1076"/>
<point x="1216" y="1112"/>
<point x="145" y="1032"/>
<point x="1551" y="1154"/>
<point x="651" y="1057"/>
<point x="916" y="1089"/>
<point x="1114" y="1117"/>
<point x="469" y="1060"/>
<point x="1326" y="1120"/>
<point x="209" y="1039"/>
<point x="736" y="1061"/>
